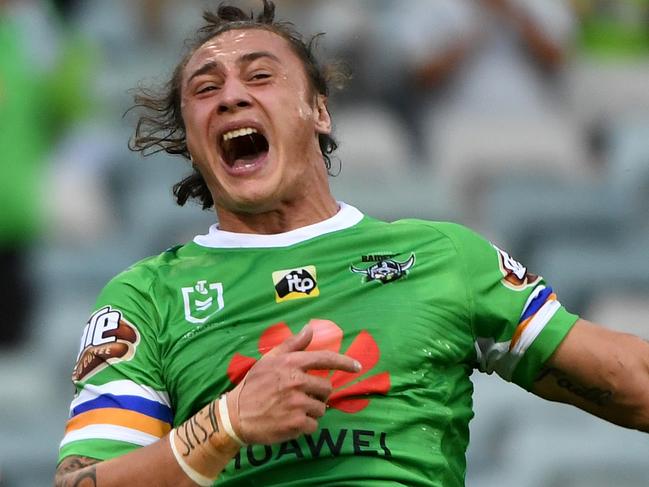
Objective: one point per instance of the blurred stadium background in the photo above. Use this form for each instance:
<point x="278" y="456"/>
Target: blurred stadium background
<point x="527" y="120"/>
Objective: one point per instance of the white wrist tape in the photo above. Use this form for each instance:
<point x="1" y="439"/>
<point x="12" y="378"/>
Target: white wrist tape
<point x="225" y="420"/>
<point x="197" y="477"/>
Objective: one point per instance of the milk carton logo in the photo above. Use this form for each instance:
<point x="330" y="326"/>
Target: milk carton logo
<point x="108" y="338"/>
<point x="202" y="301"/>
<point x="515" y="275"/>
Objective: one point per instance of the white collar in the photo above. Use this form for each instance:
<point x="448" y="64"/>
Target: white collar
<point x="347" y="217"/>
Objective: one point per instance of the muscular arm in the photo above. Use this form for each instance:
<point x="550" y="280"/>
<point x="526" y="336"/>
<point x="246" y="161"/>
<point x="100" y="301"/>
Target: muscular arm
<point x="600" y="371"/>
<point x="278" y="400"/>
<point x="161" y="470"/>
<point x="76" y="472"/>
<point x="153" y="465"/>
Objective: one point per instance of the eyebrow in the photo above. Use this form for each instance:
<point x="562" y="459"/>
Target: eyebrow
<point x="204" y="69"/>
<point x="245" y="59"/>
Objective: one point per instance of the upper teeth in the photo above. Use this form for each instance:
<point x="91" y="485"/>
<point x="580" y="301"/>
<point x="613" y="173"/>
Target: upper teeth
<point x="238" y="133"/>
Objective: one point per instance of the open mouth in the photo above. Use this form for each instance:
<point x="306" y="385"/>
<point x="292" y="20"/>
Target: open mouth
<point x="244" y="147"/>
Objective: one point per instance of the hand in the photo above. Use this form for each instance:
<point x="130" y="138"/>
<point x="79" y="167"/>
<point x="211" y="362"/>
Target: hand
<point x="278" y="400"/>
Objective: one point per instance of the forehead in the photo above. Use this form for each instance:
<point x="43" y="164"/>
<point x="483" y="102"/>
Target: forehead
<point x="231" y="47"/>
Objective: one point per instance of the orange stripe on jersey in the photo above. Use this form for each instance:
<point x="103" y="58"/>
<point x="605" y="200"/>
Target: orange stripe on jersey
<point x="519" y="331"/>
<point x="523" y="324"/>
<point x="119" y="417"/>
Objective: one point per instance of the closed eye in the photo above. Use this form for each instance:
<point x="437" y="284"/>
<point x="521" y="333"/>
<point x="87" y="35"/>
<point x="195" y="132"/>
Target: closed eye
<point x="259" y="76"/>
<point x="207" y="89"/>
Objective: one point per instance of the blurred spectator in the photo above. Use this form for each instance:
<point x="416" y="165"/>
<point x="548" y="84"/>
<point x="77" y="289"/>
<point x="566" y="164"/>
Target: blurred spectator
<point x="482" y="84"/>
<point x="347" y="27"/>
<point x="39" y="96"/>
<point x="613" y="47"/>
<point x="479" y="57"/>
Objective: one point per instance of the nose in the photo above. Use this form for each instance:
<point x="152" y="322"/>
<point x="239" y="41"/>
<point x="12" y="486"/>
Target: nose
<point x="234" y="96"/>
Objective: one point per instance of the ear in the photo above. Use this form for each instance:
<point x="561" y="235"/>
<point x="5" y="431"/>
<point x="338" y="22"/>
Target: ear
<point x="323" y="119"/>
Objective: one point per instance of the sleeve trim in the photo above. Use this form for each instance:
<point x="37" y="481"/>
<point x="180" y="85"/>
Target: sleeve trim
<point x="119" y="388"/>
<point x="543" y="347"/>
<point x="109" y="432"/>
<point x="504" y="357"/>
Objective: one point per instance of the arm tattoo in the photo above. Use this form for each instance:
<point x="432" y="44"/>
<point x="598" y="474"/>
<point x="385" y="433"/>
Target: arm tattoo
<point x="590" y="394"/>
<point x="211" y="414"/>
<point x="77" y="472"/>
<point x="192" y="433"/>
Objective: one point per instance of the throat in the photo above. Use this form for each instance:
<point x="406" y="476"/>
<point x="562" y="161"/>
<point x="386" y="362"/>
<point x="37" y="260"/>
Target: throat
<point x="287" y="216"/>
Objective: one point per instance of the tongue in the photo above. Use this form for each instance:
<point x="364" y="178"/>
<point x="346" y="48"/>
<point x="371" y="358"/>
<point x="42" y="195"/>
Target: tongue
<point x="247" y="160"/>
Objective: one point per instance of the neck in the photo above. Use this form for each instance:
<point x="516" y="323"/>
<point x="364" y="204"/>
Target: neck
<point x="287" y="216"/>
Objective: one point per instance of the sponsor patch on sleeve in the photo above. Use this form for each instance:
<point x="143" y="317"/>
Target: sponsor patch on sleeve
<point x="515" y="274"/>
<point x="108" y="338"/>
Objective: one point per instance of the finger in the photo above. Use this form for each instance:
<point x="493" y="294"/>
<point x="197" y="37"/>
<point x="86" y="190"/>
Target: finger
<point x="317" y="387"/>
<point x="310" y="425"/>
<point x="294" y="343"/>
<point x="314" y="408"/>
<point x="324" y="360"/>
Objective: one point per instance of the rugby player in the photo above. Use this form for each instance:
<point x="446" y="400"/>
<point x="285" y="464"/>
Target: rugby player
<point x="301" y="342"/>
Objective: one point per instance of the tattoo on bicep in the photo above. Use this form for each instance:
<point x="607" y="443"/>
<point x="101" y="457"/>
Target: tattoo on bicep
<point x="594" y="395"/>
<point x="77" y="472"/>
<point x="195" y="432"/>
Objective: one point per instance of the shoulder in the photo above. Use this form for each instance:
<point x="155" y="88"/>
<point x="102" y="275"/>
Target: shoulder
<point x="441" y="238"/>
<point x="458" y="242"/>
<point x="144" y="274"/>
<point x="451" y="231"/>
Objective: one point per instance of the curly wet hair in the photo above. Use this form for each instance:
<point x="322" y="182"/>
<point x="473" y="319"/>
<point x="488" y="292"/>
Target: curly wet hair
<point x="160" y="127"/>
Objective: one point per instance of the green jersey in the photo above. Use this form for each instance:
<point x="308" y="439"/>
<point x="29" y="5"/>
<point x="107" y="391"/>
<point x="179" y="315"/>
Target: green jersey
<point x="419" y="304"/>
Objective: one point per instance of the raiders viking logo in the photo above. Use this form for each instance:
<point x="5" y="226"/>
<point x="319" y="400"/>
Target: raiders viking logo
<point x="386" y="270"/>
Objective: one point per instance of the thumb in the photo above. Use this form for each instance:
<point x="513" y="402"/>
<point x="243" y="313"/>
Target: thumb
<point x="294" y="343"/>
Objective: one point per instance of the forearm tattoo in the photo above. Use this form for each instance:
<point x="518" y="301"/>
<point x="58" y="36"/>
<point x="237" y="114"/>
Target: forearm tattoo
<point x="77" y="472"/>
<point x="198" y="429"/>
<point x="594" y="395"/>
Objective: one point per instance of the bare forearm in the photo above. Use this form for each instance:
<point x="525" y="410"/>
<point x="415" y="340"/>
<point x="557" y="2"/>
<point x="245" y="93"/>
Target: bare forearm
<point x="557" y="385"/>
<point x="602" y="372"/>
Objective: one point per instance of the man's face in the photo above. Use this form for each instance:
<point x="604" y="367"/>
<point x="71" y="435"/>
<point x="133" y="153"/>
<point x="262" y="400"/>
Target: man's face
<point x="252" y="121"/>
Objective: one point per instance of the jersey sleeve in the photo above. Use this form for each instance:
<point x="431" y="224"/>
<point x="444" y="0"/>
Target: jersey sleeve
<point x="516" y="318"/>
<point x="120" y="402"/>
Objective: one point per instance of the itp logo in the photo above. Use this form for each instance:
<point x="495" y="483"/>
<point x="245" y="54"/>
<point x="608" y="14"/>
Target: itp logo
<point x="296" y="284"/>
<point x="349" y="387"/>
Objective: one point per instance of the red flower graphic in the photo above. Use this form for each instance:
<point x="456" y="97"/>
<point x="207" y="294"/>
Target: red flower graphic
<point x="327" y="335"/>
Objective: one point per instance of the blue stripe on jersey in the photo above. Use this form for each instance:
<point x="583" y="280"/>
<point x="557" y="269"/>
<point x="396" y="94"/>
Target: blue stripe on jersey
<point x="536" y="303"/>
<point x="132" y="403"/>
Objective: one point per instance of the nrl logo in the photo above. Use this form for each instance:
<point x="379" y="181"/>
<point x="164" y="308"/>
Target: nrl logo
<point x="386" y="270"/>
<point x="202" y="301"/>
